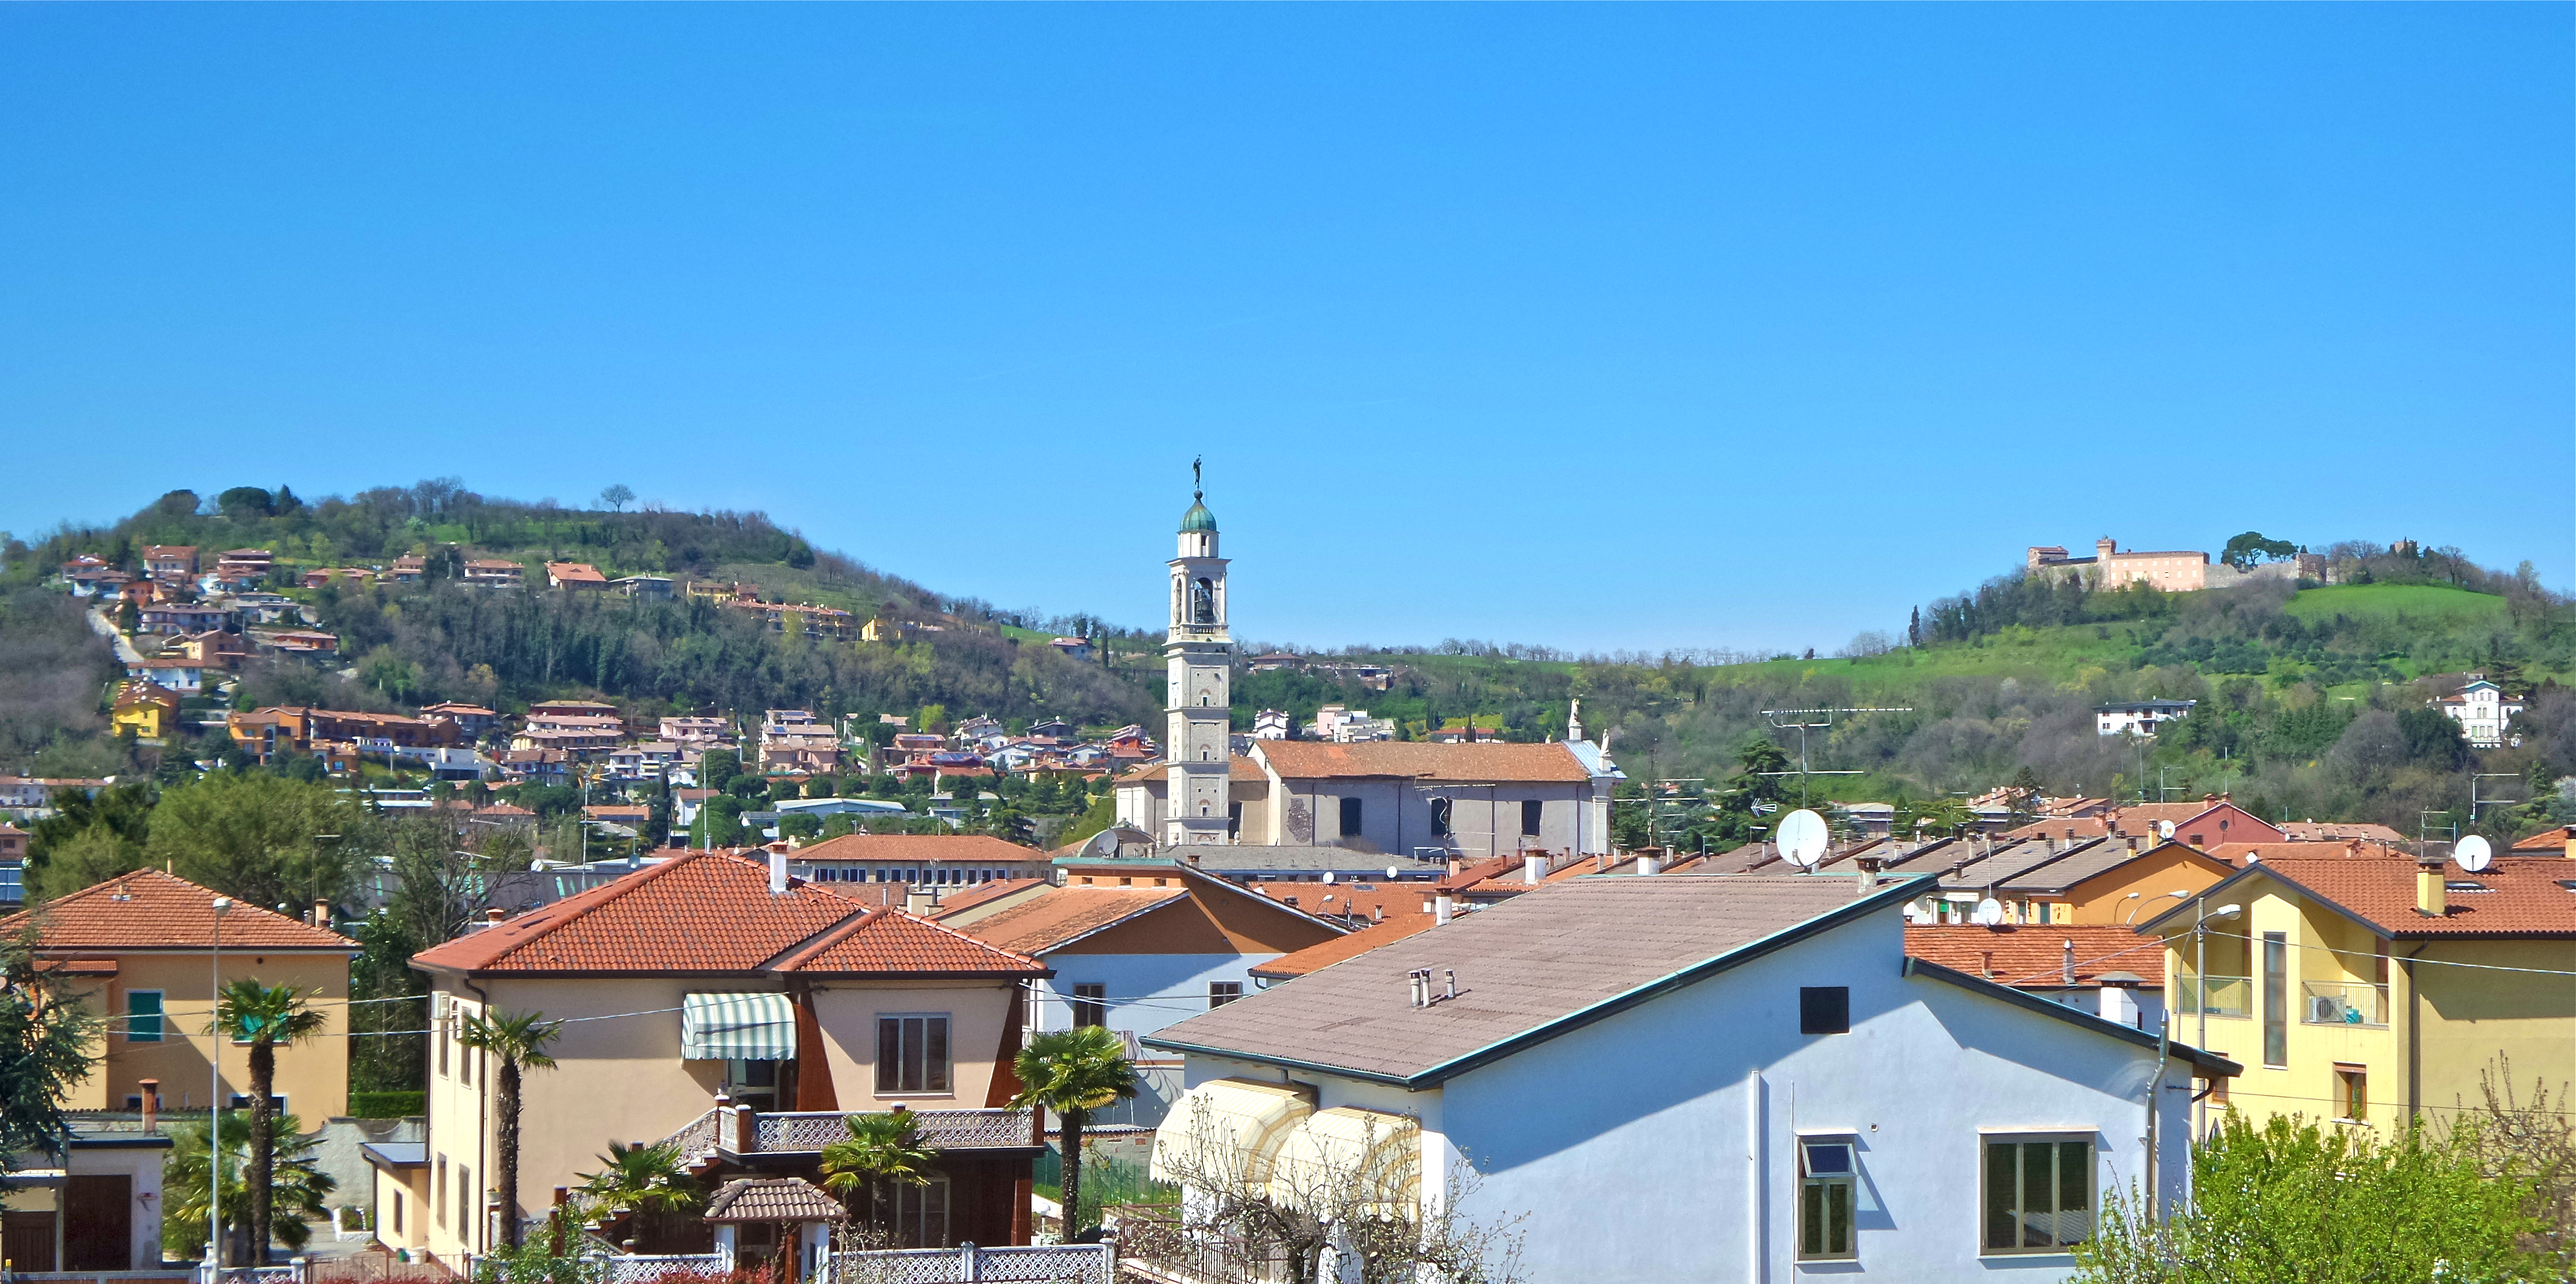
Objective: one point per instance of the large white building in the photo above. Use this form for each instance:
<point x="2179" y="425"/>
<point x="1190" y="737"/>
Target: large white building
<point x="2483" y="711"/>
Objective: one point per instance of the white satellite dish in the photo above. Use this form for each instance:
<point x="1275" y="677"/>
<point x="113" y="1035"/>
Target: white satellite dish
<point x="2474" y="854"/>
<point x="2164" y="830"/>
<point x="1392" y="873"/>
<point x="1804" y="838"/>
<point x="1990" y="913"/>
<point x="1328" y="876"/>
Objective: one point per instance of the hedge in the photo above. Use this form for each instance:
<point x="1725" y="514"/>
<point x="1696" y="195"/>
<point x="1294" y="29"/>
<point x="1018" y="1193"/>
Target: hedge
<point x="386" y="1105"/>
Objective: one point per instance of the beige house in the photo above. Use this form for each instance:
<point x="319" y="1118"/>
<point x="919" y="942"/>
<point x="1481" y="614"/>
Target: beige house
<point x="1431" y="801"/>
<point x="717" y="1001"/>
<point x="143" y="947"/>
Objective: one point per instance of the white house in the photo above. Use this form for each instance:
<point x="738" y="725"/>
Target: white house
<point x="2483" y="711"/>
<point x="2138" y="717"/>
<point x="1716" y="1077"/>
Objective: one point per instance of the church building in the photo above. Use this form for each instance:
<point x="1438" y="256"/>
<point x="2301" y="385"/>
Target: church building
<point x="1425" y="802"/>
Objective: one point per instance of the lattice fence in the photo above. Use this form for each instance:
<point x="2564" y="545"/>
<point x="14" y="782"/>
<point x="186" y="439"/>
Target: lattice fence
<point x="1036" y="1264"/>
<point x="672" y="1269"/>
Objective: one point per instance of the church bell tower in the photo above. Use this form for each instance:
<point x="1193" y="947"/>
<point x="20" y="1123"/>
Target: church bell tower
<point x="1196" y="721"/>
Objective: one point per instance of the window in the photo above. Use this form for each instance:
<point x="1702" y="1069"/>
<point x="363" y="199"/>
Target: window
<point x="397" y="1213"/>
<point x="438" y="1192"/>
<point x="921" y="1214"/>
<point x="2039" y="1193"/>
<point x="912" y="1054"/>
<point x="1531" y="810"/>
<point x="752" y="1083"/>
<point x="469" y="1204"/>
<point x="143" y="1016"/>
<point x="241" y="1101"/>
<point x="1221" y="993"/>
<point x="1824" y="1009"/>
<point x="1439" y="818"/>
<point x="1090" y="1004"/>
<point x="1350" y="818"/>
<point x="1825" y="1180"/>
<point x="442" y="1073"/>
<point x="2276" y="999"/>
<point x="2352" y="1093"/>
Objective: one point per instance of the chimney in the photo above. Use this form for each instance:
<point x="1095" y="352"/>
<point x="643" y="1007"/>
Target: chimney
<point x="1650" y="860"/>
<point x="322" y="915"/>
<point x="151" y="1089"/>
<point x="1441" y="908"/>
<point x="1454" y="863"/>
<point x="2432" y="894"/>
<point x="495" y="914"/>
<point x="1988" y="971"/>
<point x="1450" y="975"/>
<point x="777" y="872"/>
<point x="1869" y="867"/>
<point x="1534" y="869"/>
<point x="920" y="900"/>
<point x="2069" y="973"/>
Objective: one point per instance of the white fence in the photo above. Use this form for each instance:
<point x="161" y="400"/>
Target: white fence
<point x="1034" y="1264"/>
<point x="651" y="1270"/>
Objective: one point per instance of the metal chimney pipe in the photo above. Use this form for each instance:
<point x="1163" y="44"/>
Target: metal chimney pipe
<point x="1441" y="908"/>
<point x="1534" y="869"/>
<point x="2070" y="964"/>
<point x="777" y="871"/>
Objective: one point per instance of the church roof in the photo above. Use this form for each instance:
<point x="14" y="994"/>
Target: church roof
<point x="1198" y="519"/>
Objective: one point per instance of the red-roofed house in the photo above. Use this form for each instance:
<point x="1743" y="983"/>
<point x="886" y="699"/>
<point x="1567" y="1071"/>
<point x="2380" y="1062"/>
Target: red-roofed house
<point x="142" y="945"/>
<point x="716" y="1001"/>
<point x="2108" y="970"/>
<point x="575" y="575"/>
<point x="2364" y="987"/>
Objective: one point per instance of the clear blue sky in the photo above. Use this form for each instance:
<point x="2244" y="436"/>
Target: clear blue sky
<point x="1594" y="326"/>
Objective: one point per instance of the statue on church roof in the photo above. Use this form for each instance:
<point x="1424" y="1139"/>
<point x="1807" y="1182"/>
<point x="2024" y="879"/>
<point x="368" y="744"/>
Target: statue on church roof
<point x="1198" y="518"/>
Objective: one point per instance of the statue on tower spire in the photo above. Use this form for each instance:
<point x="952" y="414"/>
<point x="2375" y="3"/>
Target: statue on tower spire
<point x="1198" y="484"/>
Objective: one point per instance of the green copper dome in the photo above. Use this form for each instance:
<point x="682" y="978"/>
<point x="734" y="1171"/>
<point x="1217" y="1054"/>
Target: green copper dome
<point x="1198" y="520"/>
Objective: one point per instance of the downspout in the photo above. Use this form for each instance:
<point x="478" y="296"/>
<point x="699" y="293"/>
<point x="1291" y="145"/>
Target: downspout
<point x="482" y="1129"/>
<point x="2155" y="1091"/>
<point x="1757" y="1264"/>
<point x="2414" y="1036"/>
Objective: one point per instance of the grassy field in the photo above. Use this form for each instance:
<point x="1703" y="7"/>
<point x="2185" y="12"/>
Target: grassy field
<point x="2408" y="601"/>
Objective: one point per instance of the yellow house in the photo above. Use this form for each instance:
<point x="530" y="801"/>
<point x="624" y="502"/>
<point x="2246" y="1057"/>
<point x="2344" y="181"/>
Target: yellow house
<point x="2110" y="883"/>
<point x="2373" y="989"/>
<point x="147" y="709"/>
<point x="143" y="947"/>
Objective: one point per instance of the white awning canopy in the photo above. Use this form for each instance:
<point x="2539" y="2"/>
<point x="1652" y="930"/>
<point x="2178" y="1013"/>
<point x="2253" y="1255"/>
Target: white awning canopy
<point x="1348" y="1161"/>
<point x="737" y="1027"/>
<point x="1226" y="1129"/>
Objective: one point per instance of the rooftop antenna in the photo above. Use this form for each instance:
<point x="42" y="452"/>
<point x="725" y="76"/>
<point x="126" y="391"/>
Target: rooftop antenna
<point x="1774" y="716"/>
<point x="1803" y="839"/>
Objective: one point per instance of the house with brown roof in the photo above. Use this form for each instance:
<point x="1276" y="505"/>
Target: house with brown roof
<point x="147" y="709"/>
<point x="1386" y="931"/>
<point x="1749" y="1065"/>
<point x="2375" y="989"/>
<point x="939" y="862"/>
<point x="719" y="1002"/>
<point x="170" y="562"/>
<point x="575" y="575"/>
<point x="2555" y="840"/>
<point x="145" y="949"/>
<point x="495" y="572"/>
<point x="1136" y="946"/>
<point x="2107" y="970"/>
<point x="2337" y="831"/>
<point x="2203" y="824"/>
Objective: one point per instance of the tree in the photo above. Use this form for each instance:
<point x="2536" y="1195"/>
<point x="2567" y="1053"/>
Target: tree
<point x="515" y="1041"/>
<point x="267" y="840"/>
<point x="645" y="1181"/>
<point x="45" y="1037"/>
<point x="1073" y="1072"/>
<point x="1914" y="628"/>
<point x="263" y="1016"/>
<point x="882" y="1150"/>
<point x="2510" y="1137"/>
<point x="1947" y="815"/>
<point x="2244" y="551"/>
<point x="617" y="497"/>
<point x="297" y="1185"/>
<point x="2296" y="1200"/>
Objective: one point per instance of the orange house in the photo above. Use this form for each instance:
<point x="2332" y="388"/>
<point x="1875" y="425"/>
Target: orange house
<point x="2112" y="883"/>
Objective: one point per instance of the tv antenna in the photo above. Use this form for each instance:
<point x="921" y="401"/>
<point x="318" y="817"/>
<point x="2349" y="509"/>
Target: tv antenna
<point x="1774" y="716"/>
<point x="1804" y="839"/>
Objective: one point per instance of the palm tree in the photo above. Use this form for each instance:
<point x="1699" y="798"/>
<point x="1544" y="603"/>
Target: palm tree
<point x="264" y="1017"/>
<point x="513" y="1040"/>
<point x="881" y="1148"/>
<point x="1073" y="1072"/>
<point x="645" y="1180"/>
<point x="297" y="1185"/>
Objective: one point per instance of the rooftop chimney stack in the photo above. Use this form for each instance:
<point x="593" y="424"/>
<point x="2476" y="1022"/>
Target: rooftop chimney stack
<point x="1441" y="908"/>
<point x="1650" y="860"/>
<point x="919" y="901"/>
<point x="495" y="914"/>
<point x="777" y="872"/>
<point x="2069" y="974"/>
<point x="2432" y="891"/>
<point x="1869" y="867"/>
<point x="1534" y="868"/>
<point x="322" y="915"/>
<point x="151" y="1090"/>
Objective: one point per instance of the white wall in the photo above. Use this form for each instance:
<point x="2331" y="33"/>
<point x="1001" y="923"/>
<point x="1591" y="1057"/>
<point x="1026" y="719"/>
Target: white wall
<point x="1158" y="989"/>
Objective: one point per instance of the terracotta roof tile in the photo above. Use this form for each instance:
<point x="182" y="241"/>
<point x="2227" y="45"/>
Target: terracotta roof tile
<point x="2552" y="839"/>
<point x="1061" y="915"/>
<point x="946" y="849"/>
<point x="2520" y="896"/>
<point x="703" y="912"/>
<point x="1341" y="900"/>
<point x="151" y="910"/>
<point x="2335" y="831"/>
<point x="889" y="940"/>
<point x="773" y="1199"/>
<point x="969" y="898"/>
<point x="2034" y="956"/>
<point x="1326" y="953"/>
<point x="2241" y="854"/>
<point x="1309" y="759"/>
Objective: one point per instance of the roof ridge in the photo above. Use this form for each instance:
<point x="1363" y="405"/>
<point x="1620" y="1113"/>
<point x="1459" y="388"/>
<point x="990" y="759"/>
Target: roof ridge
<point x="572" y="907"/>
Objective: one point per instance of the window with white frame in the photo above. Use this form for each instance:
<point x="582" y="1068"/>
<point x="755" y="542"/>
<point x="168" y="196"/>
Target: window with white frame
<point x="1828" y="1181"/>
<point x="2038" y="1192"/>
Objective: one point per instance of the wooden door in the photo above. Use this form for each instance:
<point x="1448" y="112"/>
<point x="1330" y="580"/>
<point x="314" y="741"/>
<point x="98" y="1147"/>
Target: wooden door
<point x="98" y="1226"/>
<point x="27" y="1241"/>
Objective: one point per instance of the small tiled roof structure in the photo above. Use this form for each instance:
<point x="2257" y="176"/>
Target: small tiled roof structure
<point x="2522" y="897"/>
<point x="965" y="898"/>
<point x="2336" y="831"/>
<point x="1068" y="914"/>
<point x="772" y="1199"/>
<point x="1516" y="763"/>
<point x="712" y="914"/>
<point x="920" y="849"/>
<point x="1371" y="901"/>
<point x="2553" y="839"/>
<point x="1315" y="957"/>
<point x="2096" y="859"/>
<point x="2033" y="957"/>
<point x="151" y="910"/>
<point x="2243" y="854"/>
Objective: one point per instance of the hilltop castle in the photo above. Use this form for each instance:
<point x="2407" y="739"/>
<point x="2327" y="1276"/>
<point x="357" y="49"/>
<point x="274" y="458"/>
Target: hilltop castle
<point x="2169" y="572"/>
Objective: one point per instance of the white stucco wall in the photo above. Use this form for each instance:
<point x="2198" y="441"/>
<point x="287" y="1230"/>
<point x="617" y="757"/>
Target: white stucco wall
<point x="1146" y="991"/>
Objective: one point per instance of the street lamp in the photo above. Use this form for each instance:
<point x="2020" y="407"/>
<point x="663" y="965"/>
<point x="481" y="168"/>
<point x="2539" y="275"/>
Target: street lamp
<point x="2182" y="895"/>
<point x="214" y="1104"/>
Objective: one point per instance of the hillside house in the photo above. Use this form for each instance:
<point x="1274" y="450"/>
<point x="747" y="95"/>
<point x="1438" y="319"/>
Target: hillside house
<point x="2483" y="711"/>
<point x="493" y="572"/>
<point x="148" y="710"/>
<point x="578" y="576"/>
<point x="2138" y="717"/>
<point x="170" y="563"/>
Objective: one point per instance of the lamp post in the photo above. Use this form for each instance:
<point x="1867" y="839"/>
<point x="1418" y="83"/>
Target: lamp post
<point x="2200" y="989"/>
<point x="214" y="1104"/>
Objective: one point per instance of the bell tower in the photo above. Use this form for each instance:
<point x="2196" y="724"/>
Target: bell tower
<point x="1197" y="703"/>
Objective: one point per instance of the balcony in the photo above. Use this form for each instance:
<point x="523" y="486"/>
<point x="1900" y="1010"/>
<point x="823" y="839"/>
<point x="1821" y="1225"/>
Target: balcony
<point x="2228" y="996"/>
<point x="2363" y="1005"/>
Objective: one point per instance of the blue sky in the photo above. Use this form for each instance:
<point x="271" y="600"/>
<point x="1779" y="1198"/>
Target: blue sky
<point x="1603" y="327"/>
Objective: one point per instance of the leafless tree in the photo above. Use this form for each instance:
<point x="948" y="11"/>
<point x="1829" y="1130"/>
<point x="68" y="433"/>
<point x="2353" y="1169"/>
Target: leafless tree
<point x="2533" y="1138"/>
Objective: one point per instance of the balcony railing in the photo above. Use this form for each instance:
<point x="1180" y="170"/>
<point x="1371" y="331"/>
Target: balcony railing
<point x="2329" y="1004"/>
<point x="2217" y="995"/>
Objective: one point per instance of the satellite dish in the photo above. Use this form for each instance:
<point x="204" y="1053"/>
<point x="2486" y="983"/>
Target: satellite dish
<point x="1990" y="912"/>
<point x="1804" y="838"/>
<point x="1328" y="876"/>
<point x="2473" y="853"/>
<point x="2164" y="830"/>
<point x="1393" y="873"/>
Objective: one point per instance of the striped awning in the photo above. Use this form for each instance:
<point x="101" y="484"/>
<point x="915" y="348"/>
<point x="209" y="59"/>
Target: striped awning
<point x="737" y="1027"/>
